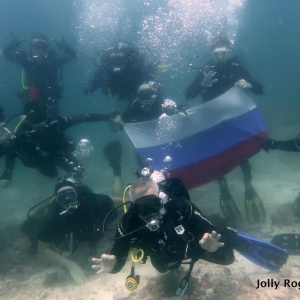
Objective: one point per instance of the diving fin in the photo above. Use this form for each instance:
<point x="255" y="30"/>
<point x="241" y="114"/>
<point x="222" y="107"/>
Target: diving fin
<point x="261" y="253"/>
<point x="184" y="283"/>
<point x="254" y="206"/>
<point x="113" y="152"/>
<point x="288" y="241"/>
<point x="228" y="206"/>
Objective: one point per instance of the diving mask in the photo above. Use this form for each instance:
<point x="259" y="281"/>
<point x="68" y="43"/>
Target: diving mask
<point x="40" y="45"/>
<point x="40" y="48"/>
<point x="221" y="54"/>
<point x="150" y="210"/>
<point x="117" y="62"/>
<point x="67" y="198"/>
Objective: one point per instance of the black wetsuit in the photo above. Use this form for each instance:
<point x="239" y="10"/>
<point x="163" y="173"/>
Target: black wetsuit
<point x="124" y="85"/>
<point x="288" y="145"/>
<point x="84" y="223"/>
<point x="227" y="75"/>
<point x="41" y="74"/>
<point x="165" y="247"/>
<point x="43" y="146"/>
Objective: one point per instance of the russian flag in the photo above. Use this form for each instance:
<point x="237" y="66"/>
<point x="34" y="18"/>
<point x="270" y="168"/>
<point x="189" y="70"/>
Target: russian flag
<point x="213" y="139"/>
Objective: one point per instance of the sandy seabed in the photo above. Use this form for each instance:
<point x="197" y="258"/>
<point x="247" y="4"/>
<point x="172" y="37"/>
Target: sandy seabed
<point x="276" y="178"/>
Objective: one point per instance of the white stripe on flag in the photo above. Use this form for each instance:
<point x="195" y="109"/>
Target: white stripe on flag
<point x="231" y="104"/>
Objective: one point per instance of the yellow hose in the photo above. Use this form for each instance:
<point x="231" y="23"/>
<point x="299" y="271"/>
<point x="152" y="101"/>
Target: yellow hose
<point x="17" y="127"/>
<point x="24" y="87"/>
<point x="138" y="252"/>
<point x="124" y="197"/>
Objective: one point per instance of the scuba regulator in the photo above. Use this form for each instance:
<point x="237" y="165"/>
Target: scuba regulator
<point x="153" y="225"/>
<point x="132" y="281"/>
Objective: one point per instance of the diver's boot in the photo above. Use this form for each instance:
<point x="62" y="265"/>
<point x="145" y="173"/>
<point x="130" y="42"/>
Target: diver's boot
<point x="255" y="209"/>
<point x="228" y="206"/>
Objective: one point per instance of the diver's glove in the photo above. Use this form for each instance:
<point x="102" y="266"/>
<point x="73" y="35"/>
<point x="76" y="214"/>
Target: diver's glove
<point x="113" y="152"/>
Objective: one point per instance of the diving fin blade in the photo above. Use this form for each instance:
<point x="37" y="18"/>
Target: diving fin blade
<point x="254" y="206"/>
<point x="261" y="253"/>
<point x="182" y="287"/>
<point x="229" y="208"/>
<point x="288" y="241"/>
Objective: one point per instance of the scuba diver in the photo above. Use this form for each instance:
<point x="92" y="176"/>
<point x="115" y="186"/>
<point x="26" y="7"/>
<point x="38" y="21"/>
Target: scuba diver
<point x="172" y="231"/>
<point x="218" y="76"/>
<point x="74" y="214"/>
<point x="148" y="105"/>
<point x="221" y="73"/>
<point x="41" y="143"/>
<point x="121" y="71"/>
<point x="41" y="70"/>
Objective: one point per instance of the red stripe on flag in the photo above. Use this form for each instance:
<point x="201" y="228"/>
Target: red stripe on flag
<point x="217" y="166"/>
